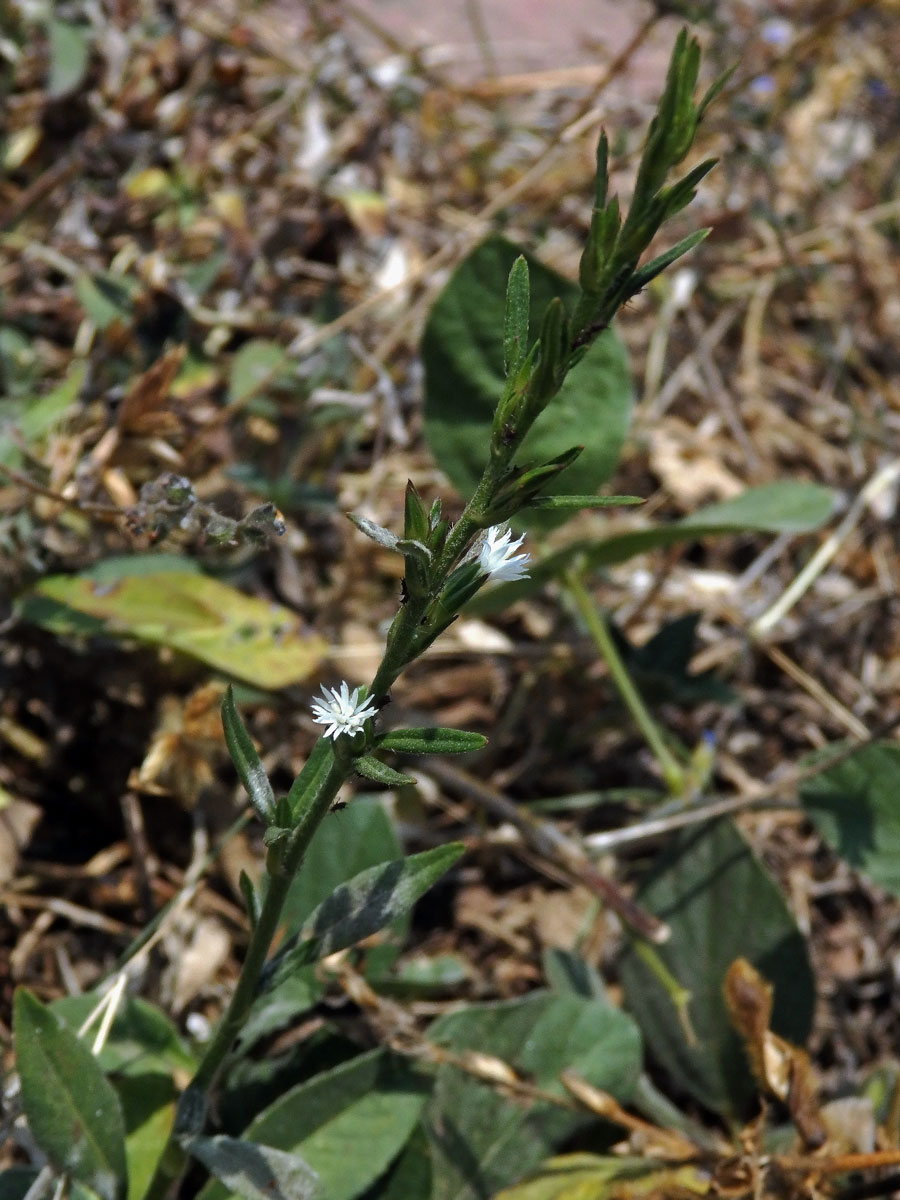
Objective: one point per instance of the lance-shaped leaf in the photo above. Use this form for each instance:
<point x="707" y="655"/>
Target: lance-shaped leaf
<point x="548" y="373"/>
<point x="348" y="1123"/>
<point x="516" y="317"/>
<point x="72" y="1110"/>
<point x="370" y="767"/>
<point x="525" y="483"/>
<point x="430" y="741"/>
<point x="250" y="897"/>
<point x="311" y="779"/>
<point x="415" y="524"/>
<point x="254" y="1171"/>
<point x="585" y="501"/>
<point x="656" y="266"/>
<point x="377" y="533"/>
<point x="250" y="770"/>
<point x="370" y="901"/>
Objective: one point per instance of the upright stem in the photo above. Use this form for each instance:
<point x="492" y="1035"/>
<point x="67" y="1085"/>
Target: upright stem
<point x="192" y="1106"/>
<point x="310" y="805"/>
<point x="598" y="628"/>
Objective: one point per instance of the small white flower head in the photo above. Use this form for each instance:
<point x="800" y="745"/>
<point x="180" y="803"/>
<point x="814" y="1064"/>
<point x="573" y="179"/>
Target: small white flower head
<point x="496" y="557"/>
<point x="342" y="711"/>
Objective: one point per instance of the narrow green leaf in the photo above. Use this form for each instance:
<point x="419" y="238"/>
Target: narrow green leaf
<point x="416" y="525"/>
<point x="384" y="537"/>
<point x="601" y="178"/>
<point x="516" y="317"/>
<point x="378" y="772"/>
<point x="246" y="761"/>
<point x="430" y="741"/>
<point x="371" y="900"/>
<point x="585" y="501"/>
<point x="656" y="266"/>
<point x="309" y="782"/>
<point x="72" y="1109"/>
<point x="548" y="373"/>
<point x="250" y="897"/>
<point x="715" y="90"/>
<point x="253" y="1171"/>
<point x="790" y="506"/>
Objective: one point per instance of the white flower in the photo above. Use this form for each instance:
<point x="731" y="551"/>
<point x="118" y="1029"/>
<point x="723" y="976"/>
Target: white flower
<point x="496" y="556"/>
<point x="342" y="711"/>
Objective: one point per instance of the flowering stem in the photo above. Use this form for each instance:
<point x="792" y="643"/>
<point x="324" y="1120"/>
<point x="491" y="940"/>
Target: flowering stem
<point x="310" y="799"/>
<point x="598" y="628"/>
<point x="401" y="637"/>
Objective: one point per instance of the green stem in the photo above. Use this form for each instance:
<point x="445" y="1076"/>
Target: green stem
<point x="598" y="628"/>
<point x="311" y="804"/>
<point x="193" y="1103"/>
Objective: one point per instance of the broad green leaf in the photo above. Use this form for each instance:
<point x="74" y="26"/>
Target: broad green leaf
<point x="463" y="354"/>
<point x="72" y="1110"/>
<point x="566" y="971"/>
<point x="791" y="506"/>
<point x="148" y="1105"/>
<point x="660" y="668"/>
<point x="70" y="51"/>
<point x="141" y="1040"/>
<point x="482" y="1139"/>
<point x="257" y="364"/>
<point x="410" y="1176"/>
<point x="246" y="761"/>
<point x="255" y="1172"/>
<point x="15" y="1182"/>
<point x="422" y="976"/>
<point x="430" y="741"/>
<point x="854" y="807"/>
<point x="276" y="1009"/>
<point x="720" y="904"/>
<point x="345" y="844"/>
<point x="244" y="636"/>
<point x="347" y="1124"/>
<point x="592" y="1177"/>
<point x="373" y="899"/>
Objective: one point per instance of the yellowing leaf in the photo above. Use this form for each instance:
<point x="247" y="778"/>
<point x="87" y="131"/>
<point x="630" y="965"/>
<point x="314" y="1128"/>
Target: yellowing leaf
<point x="148" y="184"/>
<point x="591" y="1177"/>
<point x="248" y="638"/>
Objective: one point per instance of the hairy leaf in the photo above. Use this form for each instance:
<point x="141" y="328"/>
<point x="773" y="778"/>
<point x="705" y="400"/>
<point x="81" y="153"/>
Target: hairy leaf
<point x="72" y="1110"/>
